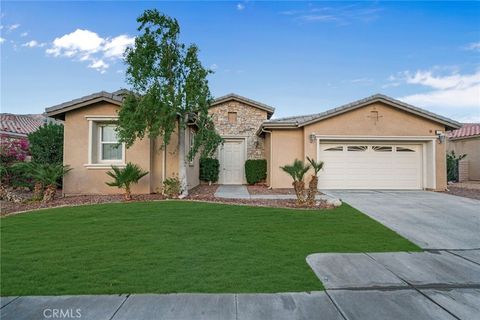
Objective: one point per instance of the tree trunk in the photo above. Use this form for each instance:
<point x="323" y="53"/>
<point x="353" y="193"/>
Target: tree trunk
<point x="182" y="165"/>
<point x="312" y="190"/>
<point x="49" y="193"/>
<point x="128" y="194"/>
<point x="38" y="191"/>
<point x="299" y="187"/>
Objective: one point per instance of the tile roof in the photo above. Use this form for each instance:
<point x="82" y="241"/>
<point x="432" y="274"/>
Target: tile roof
<point x="300" y="121"/>
<point x="20" y="124"/>
<point x="466" y="131"/>
<point x="270" y="110"/>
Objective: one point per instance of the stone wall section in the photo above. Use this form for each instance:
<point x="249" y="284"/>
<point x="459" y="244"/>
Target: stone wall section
<point x="248" y="121"/>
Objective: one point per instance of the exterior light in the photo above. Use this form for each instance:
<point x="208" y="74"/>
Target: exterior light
<point x="440" y="135"/>
<point x="312" y="137"/>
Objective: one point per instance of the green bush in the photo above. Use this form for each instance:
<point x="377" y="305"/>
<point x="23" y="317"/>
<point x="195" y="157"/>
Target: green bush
<point x="452" y="165"/>
<point x="46" y="144"/>
<point x="209" y="169"/>
<point x="255" y="170"/>
<point x="172" y="187"/>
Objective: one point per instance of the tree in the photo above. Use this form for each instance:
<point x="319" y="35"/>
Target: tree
<point x="297" y="171"/>
<point x="169" y="89"/>
<point x="46" y="144"/>
<point x="313" y="184"/>
<point x="123" y="178"/>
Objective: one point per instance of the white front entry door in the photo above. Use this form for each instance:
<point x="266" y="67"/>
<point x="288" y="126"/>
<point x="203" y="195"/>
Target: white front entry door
<point x="370" y="166"/>
<point x="232" y="162"/>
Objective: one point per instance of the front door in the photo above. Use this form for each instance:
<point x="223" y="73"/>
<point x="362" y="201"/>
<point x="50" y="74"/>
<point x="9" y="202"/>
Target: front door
<point x="232" y="160"/>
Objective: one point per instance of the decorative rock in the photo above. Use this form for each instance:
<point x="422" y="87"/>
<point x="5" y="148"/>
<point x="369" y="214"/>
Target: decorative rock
<point x="334" y="202"/>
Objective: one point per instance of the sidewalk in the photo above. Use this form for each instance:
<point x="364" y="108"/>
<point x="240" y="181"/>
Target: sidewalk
<point x="241" y="192"/>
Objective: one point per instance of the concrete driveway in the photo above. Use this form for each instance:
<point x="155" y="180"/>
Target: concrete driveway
<point x="429" y="219"/>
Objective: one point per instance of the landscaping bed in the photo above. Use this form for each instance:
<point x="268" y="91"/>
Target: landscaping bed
<point x="469" y="189"/>
<point x="8" y="207"/>
<point x="178" y="246"/>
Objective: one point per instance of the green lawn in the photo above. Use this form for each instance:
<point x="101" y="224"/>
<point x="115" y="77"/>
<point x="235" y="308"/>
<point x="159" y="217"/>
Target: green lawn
<point x="178" y="246"/>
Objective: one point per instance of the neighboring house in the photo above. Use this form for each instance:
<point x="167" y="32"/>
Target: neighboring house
<point x="374" y="143"/>
<point x="19" y="126"/>
<point x="466" y="140"/>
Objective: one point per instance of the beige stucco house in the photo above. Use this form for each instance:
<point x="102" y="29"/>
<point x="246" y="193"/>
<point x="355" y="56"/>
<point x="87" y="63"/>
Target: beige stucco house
<point x="466" y="140"/>
<point x="373" y="143"/>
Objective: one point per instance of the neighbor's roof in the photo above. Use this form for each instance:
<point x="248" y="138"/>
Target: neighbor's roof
<point x="300" y="121"/>
<point x="18" y="124"/>
<point x="467" y="130"/>
<point x="232" y="96"/>
<point x="59" y="110"/>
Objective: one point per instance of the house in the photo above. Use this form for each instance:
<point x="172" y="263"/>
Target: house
<point x="466" y="140"/>
<point x="373" y="143"/>
<point x="16" y="126"/>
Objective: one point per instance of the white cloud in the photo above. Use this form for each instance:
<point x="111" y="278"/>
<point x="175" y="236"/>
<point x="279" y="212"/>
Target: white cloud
<point x="86" y="45"/>
<point x="475" y="46"/>
<point x="214" y="67"/>
<point x="115" y="47"/>
<point x="240" y="6"/>
<point x="13" y="27"/>
<point x="24" y="34"/>
<point x="455" y="90"/>
<point x="33" y="44"/>
<point x="2" y="40"/>
<point x="342" y="15"/>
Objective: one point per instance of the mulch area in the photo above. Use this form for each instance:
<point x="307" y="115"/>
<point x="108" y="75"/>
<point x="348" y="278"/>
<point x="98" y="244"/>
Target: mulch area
<point x="202" y="192"/>
<point x="8" y="207"/>
<point x="464" y="192"/>
<point x="263" y="189"/>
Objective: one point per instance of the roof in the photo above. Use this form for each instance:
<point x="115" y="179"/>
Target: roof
<point x="467" y="130"/>
<point x="232" y="96"/>
<point x="20" y="125"/>
<point x="59" y="110"/>
<point x="300" y="121"/>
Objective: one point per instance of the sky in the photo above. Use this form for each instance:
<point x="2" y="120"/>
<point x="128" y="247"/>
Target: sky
<point x="299" y="57"/>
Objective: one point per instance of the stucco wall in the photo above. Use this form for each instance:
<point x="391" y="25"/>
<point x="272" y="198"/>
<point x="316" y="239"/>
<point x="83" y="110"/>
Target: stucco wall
<point x="390" y="122"/>
<point x="470" y="147"/>
<point x="82" y="180"/>
<point x="249" y="120"/>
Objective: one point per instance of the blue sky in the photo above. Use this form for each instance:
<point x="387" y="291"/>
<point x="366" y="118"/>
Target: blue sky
<point x="300" y="57"/>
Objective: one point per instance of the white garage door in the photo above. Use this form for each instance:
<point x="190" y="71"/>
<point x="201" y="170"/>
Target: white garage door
<point x="370" y="166"/>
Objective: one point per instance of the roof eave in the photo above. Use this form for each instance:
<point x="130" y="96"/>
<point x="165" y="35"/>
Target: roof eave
<point x="55" y="112"/>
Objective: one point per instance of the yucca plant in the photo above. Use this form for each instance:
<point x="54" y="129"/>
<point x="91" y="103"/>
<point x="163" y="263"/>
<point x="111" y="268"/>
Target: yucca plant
<point x="313" y="184"/>
<point x="297" y="171"/>
<point x="123" y="178"/>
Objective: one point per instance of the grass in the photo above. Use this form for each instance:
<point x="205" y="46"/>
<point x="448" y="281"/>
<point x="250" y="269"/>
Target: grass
<point x="178" y="246"/>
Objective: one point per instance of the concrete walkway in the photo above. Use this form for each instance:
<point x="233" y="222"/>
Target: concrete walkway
<point x="374" y="286"/>
<point x="241" y="192"/>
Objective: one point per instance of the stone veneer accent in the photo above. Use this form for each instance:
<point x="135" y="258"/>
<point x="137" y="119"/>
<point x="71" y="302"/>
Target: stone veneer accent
<point x="249" y="120"/>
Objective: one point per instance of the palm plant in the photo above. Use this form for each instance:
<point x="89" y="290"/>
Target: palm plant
<point x="123" y="178"/>
<point x="313" y="184"/>
<point x="49" y="175"/>
<point x="297" y="171"/>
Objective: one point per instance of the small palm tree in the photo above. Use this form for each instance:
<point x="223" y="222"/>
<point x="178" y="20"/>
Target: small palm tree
<point x="313" y="184"/>
<point x="297" y="171"/>
<point x="123" y="178"/>
<point x="49" y="175"/>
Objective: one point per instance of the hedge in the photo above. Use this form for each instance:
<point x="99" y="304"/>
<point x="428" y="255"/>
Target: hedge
<point x="209" y="169"/>
<point x="255" y="170"/>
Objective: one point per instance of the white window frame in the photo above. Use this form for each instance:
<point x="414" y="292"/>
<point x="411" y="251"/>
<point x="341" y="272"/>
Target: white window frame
<point x="100" y="144"/>
<point x="94" y="122"/>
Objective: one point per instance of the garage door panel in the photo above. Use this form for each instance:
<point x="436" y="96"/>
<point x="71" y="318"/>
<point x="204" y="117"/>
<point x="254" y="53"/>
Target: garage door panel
<point x="370" y="166"/>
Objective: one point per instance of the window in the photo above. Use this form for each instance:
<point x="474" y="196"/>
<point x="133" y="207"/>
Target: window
<point x="232" y="117"/>
<point x="382" y="148"/>
<point x="357" y="148"/>
<point x="403" y="149"/>
<point x="109" y="149"/>
<point x="339" y="148"/>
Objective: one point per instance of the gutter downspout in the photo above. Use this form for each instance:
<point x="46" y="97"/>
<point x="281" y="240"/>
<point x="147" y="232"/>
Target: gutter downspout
<point x="164" y="166"/>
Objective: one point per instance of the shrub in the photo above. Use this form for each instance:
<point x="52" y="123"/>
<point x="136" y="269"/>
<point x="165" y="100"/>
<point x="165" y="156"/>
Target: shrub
<point x="172" y="187"/>
<point x="123" y="178"/>
<point x="46" y="144"/>
<point x="255" y="170"/>
<point x="452" y="165"/>
<point x="209" y="169"/>
<point x="13" y="151"/>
